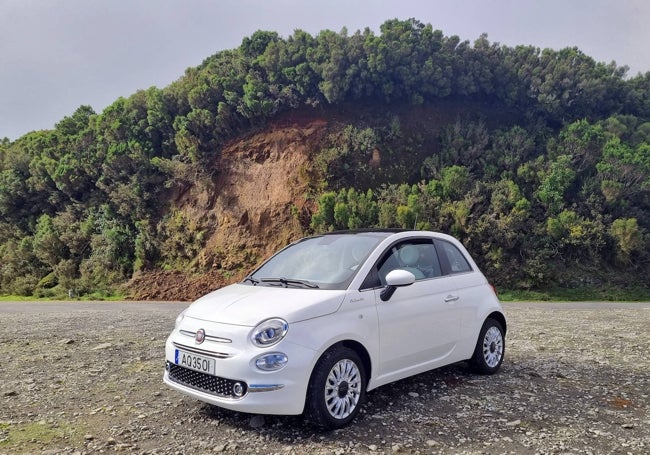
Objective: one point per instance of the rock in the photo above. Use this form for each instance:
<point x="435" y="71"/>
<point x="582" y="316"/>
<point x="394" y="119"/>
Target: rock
<point x="257" y="421"/>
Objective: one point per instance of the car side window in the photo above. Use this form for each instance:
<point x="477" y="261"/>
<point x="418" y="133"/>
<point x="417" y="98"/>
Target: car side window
<point x="453" y="261"/>
<point x="418" y="257"/>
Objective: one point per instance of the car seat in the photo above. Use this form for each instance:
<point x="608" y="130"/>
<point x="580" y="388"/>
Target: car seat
<point x="409" y="256"/>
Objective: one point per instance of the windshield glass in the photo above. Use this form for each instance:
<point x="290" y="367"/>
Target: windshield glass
<point x="326" y="262"/>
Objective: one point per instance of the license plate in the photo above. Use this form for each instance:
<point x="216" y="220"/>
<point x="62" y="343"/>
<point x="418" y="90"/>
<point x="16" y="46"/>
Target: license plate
<point x="195" y="362"/>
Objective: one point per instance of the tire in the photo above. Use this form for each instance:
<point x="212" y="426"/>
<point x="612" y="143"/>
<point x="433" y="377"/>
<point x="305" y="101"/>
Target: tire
<point x="490" y="348"/>
<point x="337" y="388"/>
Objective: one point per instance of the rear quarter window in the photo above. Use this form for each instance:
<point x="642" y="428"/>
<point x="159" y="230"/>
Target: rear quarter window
<point x="452" y="258"/>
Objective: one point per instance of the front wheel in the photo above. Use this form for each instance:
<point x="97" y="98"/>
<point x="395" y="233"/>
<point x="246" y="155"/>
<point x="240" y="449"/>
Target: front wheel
<point x="336" y="388"/>
<point x="490" y="348"/>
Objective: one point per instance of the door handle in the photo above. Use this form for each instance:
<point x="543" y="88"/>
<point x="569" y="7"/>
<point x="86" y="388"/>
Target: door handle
<point x="451" y="298"/>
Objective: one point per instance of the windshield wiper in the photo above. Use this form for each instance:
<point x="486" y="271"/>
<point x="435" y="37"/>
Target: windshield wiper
<point x="252" y="280"/>
<point x="290" y="282"/>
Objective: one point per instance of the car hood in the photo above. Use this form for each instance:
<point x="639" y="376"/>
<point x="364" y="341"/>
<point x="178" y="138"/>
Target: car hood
<point x="249" y="305"/>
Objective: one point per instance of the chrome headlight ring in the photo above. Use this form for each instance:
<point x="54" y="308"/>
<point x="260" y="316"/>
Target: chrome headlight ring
<point x="269" y="332"/>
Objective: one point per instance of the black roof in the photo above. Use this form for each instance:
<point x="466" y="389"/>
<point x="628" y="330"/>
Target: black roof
<point x="365" y="231"/>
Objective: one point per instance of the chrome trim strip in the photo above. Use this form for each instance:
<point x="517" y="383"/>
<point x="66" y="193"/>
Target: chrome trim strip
<point x="264" y="387"/>
<point x="218" y="355"/>
<point x="188" y="333"/>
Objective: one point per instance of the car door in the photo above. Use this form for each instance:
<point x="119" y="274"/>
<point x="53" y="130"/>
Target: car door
<point x="471" y="288"/>
<point x="418" y="325"/>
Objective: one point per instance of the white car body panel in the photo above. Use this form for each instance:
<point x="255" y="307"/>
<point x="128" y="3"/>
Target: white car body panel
<point x="417" y="309"/>
<point x="239" y="304"/>
<point x="430" y="323"/>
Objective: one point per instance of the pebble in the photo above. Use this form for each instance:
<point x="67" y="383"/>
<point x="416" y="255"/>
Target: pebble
<point x="257" y="421"/>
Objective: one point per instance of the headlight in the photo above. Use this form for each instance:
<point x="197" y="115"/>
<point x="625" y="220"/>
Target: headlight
<point x="269" y="332"/>
<point x="271" y="362"/>
<point x="179" y="318"/>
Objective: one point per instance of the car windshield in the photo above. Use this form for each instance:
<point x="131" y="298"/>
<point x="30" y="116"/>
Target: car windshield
<point x="325" y="262"/>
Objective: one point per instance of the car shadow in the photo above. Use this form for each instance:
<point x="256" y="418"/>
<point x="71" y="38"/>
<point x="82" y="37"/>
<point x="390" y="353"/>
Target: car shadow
<point x="381" y="403"/>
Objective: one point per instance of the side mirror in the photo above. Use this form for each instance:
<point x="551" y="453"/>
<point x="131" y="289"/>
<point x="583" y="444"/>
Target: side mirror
<point x="395" y="279"/>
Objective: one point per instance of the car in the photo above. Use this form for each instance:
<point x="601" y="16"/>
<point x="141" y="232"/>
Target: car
<point x="333" y="316"/>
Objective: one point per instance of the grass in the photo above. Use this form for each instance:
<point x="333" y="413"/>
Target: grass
<point x="33" y="435"/>
<point x="582" y="294"/>
<point x="18" y="298"/>
<point x="103" y="296"/>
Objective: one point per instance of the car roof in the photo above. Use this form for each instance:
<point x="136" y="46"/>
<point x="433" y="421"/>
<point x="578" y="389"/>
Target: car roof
<point x="365" y="231"/>
<point x="392" y="233"/>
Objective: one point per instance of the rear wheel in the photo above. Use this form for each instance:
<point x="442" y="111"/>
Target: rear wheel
<point x="336" y="388"/>
<point x="490" y="348"/>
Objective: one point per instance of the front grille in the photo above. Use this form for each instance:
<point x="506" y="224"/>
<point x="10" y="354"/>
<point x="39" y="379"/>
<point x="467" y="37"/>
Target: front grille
<point x="204" y="382"/>
<point x="218" y="355"/>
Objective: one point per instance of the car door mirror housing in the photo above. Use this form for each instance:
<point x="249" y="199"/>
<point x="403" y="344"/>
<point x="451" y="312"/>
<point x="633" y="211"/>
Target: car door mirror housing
<point x="400" y="278"/>
<point x="394" y="279"/>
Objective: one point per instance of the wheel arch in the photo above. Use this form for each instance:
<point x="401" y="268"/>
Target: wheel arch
<point x="500" y="318"/>
<point x="361" y="351"/>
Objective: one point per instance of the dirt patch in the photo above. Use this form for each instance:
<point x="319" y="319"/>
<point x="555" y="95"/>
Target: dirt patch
<point x="257" y="203"/>
<point x="84" y="378"/>
<point x="174" y="285"/>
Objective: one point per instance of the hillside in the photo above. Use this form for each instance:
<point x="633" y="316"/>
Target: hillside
<point x="262" y="194"/>
<point x="253" y="208"/>
<point x="538" y="160"/>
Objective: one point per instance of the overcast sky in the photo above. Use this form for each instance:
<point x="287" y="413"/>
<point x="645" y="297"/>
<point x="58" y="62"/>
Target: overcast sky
<point x="58" y="55"/>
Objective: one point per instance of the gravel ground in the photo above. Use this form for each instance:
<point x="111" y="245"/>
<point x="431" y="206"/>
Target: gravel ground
<point x="86" y="378"/>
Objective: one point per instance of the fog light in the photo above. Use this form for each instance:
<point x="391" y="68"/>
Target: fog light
<point x="238" y="389"/>
<point x="271" y="362"/>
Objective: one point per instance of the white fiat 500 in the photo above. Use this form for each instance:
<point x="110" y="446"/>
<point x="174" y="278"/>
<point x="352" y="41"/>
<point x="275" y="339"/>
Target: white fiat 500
<point x="332" y="316"/>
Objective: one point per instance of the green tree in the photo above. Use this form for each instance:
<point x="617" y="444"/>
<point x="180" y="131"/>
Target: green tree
<point x="554" y="183"/>
<point x="47" y="242"/>
<point x="455" y="181"/>
<point x="628" y="237"/>
<point x="341" y="215"/>
<point x="624" y="171"/>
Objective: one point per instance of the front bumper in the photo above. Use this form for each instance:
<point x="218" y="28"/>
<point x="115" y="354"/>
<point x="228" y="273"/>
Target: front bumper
<point x="241" y="386"/>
